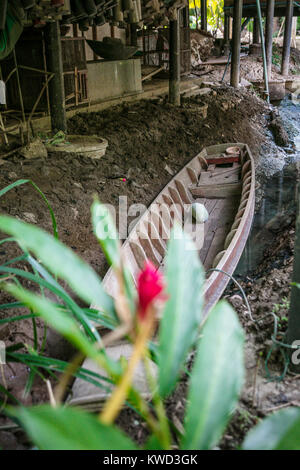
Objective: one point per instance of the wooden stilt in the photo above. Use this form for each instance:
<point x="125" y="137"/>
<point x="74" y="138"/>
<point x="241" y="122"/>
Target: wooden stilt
<point x="269" y="34"/>
<point x="56" y="86"/>
<point x="204" y="15"/>
<point x="75" y="30"/>
<point x="95" y="37"/>
<point x="133" y="34"/>
<point x="256" y="36"/>
<point x="236" y="43"/>
<point x="287" y="38"/>
<point x="174" y="61"/>
<point x="226" y="28"/>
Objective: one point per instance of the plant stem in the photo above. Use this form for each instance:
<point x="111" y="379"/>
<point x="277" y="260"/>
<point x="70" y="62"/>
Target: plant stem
<point x="164" y="433"/>
<point x="113" y="405"/>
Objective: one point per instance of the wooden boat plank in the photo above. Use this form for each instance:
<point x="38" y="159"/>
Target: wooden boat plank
<point x="213" y="191"/>
<point x="227" y="214"/>
<point x="210" y="228"/>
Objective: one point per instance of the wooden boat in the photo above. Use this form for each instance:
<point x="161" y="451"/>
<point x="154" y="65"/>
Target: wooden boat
<point x="222" y="178"/>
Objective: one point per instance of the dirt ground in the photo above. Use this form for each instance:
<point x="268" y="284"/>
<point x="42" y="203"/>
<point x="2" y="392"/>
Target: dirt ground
<point x="268" y="290"/>
<point x="148" y="142"/>
<point x="251" y="68"/>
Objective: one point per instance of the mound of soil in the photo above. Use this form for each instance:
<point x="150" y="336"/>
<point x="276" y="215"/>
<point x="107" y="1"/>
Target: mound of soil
<point x="268" y="291"/>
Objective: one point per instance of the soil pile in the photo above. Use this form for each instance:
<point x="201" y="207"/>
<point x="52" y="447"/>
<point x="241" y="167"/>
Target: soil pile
<point x="201" y="46"/>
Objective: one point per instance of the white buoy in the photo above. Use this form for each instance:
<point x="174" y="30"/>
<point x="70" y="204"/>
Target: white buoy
<point x="199" y="212"/>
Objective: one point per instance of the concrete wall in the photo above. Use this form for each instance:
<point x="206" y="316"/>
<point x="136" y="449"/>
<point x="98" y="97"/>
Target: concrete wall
<point x="111" y="79"/>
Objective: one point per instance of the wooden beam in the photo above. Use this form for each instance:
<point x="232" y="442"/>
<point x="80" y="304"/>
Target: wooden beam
<point x="174" y="61"/>
<point x="216" y="191"/>
<point x="56" y="86"/>
<point x="236" y="44"/>
<point x="287" y="38"/>
<point x="269" y="34"/>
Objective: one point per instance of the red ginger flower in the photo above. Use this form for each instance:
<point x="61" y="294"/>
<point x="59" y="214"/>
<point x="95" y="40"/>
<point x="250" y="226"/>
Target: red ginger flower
<point x="150" y="286"/>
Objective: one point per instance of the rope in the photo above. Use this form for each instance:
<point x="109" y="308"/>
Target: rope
<point x="240" y="288"/>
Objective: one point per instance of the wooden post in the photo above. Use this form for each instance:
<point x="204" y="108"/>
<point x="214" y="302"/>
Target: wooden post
<point x="269" y="34"/>
<point x="95" y="37"/>
<point x="75" y="30"/>
<point x="204" y="15"/>
<point x="256" y="36"/>
<point x="174" y="61"/>
<point x="293" y="332"/>
<point x="19" y="85"/>
<point x="56" y="86"/>
<point x="263" y="49"/>
<point x="294" y="31"/>
<point x="133" y="34"/>
<point x="226" y="28"/>
<point x="287" y="38"/>
<point x="236" y="43"/>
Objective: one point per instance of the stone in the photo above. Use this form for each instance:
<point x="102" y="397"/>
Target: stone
<point x="35" y="149"/>
<point x="4" y="331"/>
<point x="279" y="133"/>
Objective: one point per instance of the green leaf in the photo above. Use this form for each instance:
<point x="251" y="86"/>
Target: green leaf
<point x="54" y="287"/>
<point x="153" y="444"/>
<point x="280" y="431"/>
<point x="182" y="313"/>
<point x="58" y="319"/>
<point x="106" y="233"/>
<point x="216" y="379"/>
<point x="60" y="260"/>
<point x="21" y="182"/>
<point x="69" y="429"/>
